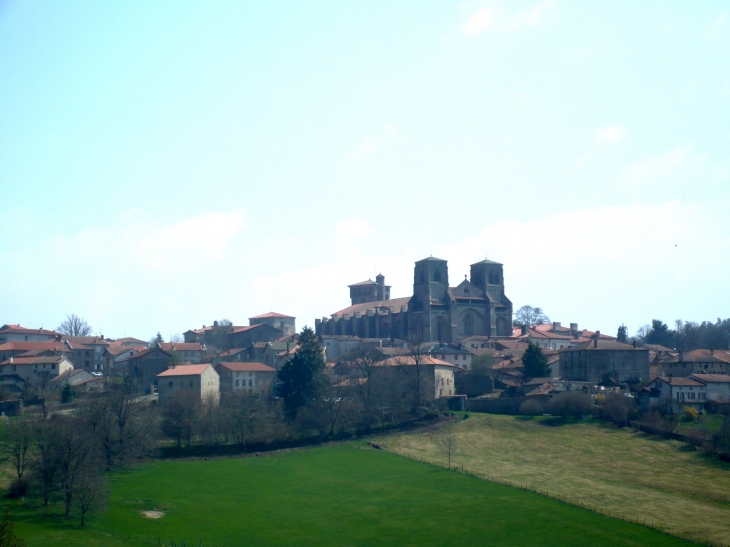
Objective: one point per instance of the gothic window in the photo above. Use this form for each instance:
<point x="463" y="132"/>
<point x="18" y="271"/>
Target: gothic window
<point x="437" y="276"/>
<point x="469" y="325"/>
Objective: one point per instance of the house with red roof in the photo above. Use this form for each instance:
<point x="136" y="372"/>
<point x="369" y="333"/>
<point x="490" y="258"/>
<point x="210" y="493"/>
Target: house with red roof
<point x="246" y="377"/>
<point x="197" y="380"/>
<point x="16" y="333"/>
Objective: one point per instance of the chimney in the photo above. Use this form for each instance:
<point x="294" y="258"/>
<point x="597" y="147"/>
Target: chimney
<point x="574" y="326"/>
<point x="215" y="323"/>
<point x="595" y="341"/>
<point x="523" y="329"/>
<point x="556" y="325"/>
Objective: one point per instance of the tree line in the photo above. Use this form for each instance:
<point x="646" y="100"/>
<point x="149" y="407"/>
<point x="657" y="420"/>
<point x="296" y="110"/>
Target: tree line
<point x="685" y="336"/>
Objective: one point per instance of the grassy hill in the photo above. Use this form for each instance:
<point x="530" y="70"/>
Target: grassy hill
<point x="338" y="495"/>
<point x="621" y="471"/>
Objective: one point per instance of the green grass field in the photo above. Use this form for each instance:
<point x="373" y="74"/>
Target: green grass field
<point x="595" y="464"/>
<point x="338" y="495"/>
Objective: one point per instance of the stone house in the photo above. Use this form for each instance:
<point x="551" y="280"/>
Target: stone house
<point x="87" y="352"/>
<point x="16" y="333"/>
<point x="146" y="365"/>
<point x="189" y="352"/>
<point x="679" y="392"/>
<point x="285" y="323"/>
<point x="249" y="378"/>
<point x="81" y="380"/>
<point x="591" y="361"/>
<point x="438" y="375"/>
<point x="116" y="358"/>
<point x="16" y="371"/>
<point x="717" y="386"/>
<point x="199" y="380"/>
<point x="694" y="362"/>
<point x="12" y="349"/>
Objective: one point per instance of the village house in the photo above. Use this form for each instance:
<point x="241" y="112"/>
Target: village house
<point x="599" y="358"/>
<point x="12" y="349"/>
<point x="677" y="393"/>
<point x="189" y="352"/>
<point x="438" y="375"/>
<point x="36" y="368"/>
<point x="248" y="378"/>
<point x="16" y="333"/>
<point x="685" y="363"/>
<point x="717" y="386"/>
<point x="128" y="341"/>
<point x="285" y="323"/>
<point x="87" y="352"/>
<point x="451" y="353"/>
<point x="200" y="380"/>
<point x="117" y="357"/>
<point x="82" y="381"/>
<point x="146" y="365"/>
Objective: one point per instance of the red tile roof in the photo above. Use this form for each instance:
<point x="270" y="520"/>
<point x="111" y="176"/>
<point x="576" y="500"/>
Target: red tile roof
<point x="185" y="370"/>
<point x="34" y="360"/>
<point x="87" y="340"/>
<point x="245" y="367"/>
<point x="409" y="360"/>
<point x="17" y="329"/>
<point x="675" y="381"/>
<point x="28" y="346"/>
<point x="711" y="378"/>
<point x="182" y="346"/>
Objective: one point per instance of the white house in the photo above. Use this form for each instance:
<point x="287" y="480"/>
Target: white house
<point x="717" y="386"/>
<point x="680" y="391"/>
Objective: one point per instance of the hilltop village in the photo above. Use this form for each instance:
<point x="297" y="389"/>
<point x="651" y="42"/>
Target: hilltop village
<point x="463" y="337"/>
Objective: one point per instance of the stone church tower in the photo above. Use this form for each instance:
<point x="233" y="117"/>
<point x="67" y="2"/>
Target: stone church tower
<point x="435" y="312"/>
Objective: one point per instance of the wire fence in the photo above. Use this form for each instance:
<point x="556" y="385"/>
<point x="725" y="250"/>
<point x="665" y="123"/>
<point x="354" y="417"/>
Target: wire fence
<point x="658" y="526"/>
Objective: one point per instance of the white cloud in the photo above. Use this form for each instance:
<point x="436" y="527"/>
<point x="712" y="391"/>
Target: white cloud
<point x="610" y="134"/>
<point x="372" y="145"/>
<point x="495" y="18"/>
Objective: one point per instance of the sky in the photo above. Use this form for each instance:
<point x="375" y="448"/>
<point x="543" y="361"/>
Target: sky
<point x="167" y="164"/>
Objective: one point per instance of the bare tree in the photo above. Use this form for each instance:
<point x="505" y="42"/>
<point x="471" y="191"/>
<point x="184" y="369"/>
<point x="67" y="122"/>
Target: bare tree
<point x="219" y="334"/>
<point x="176" y="338"/>
<point x="17" y="451"/>
<point x="448" y="442"/>
<point x="45" y="452"/>
<point x="364" y="373"/>
<point x="413" y="364"/>
<point x="527" y="315"/>
<point x="181" y="416"/>
<point x="74" y="326"/>
<point x="77" y="456"/>
<point x="619" y="408"/>
<point x="91" y="493"/>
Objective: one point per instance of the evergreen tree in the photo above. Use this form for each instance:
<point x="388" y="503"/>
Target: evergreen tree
<point x="300" y="376"/>
<point x="535" y="362"/>
<point x="623" y="334"/>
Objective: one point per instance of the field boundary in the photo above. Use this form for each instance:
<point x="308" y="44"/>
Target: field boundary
<point x="563" y="499"/>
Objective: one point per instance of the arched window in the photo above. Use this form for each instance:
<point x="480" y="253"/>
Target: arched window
<point x="437" y="276"/>
<point x="469" y="325"/>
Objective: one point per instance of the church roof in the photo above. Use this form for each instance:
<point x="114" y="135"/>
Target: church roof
<point x="363" y="308"/>
<point x="431" y="258"/>
<point x="368" y="282"/>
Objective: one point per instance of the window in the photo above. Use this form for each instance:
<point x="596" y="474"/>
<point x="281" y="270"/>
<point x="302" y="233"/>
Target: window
<point x="169" y="385"/>
<point x="250" y="383"/>
<point x="437" y="276"/>
<point x="236" y="383"/>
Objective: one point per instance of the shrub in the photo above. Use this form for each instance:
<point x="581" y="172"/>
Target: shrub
<point x="531" y="407"/>
<point x="691" y="414"/>
<point x="571" y="404"/>
<point x="17" y="490"/>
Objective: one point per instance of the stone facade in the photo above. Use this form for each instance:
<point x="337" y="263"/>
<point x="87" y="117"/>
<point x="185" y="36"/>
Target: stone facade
<point x="591" y="361"/>
<point x="435" y="312"/>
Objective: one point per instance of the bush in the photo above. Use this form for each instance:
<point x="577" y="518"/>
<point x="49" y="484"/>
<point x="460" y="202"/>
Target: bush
<point x="691" y="414"/>
<point x="531" y="407"/>
<point x="17" y="490"/>
<point x="571" y="404"/>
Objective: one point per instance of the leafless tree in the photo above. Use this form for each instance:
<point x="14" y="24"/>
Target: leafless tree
<point x="45" y="452"/>
<point x="364" y="376"/>
<point x="619" y="408"/>
<point x="91" y="494"/>
<point x="219" y="334"/>
<point x="448" y="442"/>
<point x="17" y="447"/>
<point x="77" y="456"/>
<point x="527" y="315"/>
<point x="176" y="338"/>
<point x="180" y="416"/>
<point x="413" y="364"/>
<point x="74" y="326"/>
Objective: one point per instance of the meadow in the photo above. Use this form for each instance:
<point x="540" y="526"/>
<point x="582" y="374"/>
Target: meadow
<point x="347" y="494"/>
<point x="594" y="465"/>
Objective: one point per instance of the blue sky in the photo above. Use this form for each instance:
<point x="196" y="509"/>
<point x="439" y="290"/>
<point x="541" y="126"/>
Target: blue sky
<point x="163" y="165"/>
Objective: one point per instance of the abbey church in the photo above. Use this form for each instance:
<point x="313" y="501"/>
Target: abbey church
<point x="434" y="313"/>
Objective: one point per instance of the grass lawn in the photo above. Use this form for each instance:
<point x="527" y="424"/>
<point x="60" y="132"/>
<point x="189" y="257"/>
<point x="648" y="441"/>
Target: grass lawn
<point x="621" y="471"/>
<point x="339" y="495"/>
